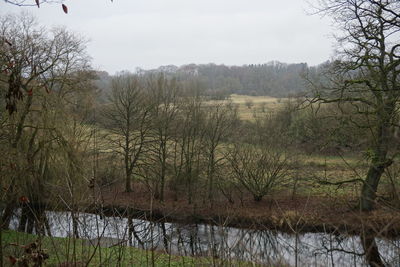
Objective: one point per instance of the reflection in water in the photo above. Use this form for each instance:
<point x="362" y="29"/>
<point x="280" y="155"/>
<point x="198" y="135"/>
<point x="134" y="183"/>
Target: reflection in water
<point x="260" y="246"/>
<point x="372" y="256"/>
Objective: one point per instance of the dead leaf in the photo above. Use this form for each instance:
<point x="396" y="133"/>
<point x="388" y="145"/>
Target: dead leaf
<point x="65" y="8"/>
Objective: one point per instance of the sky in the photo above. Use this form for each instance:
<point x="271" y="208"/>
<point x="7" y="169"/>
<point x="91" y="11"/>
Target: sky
<point x="126" y="34"/>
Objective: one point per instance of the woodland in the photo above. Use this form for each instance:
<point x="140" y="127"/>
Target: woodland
<point x="291" y="148"/>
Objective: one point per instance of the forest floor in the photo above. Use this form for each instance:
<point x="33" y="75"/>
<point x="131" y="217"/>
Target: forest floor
<point x="281" y="211"/>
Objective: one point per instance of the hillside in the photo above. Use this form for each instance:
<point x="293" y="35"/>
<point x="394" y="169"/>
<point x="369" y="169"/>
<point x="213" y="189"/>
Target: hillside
<point x="274" y="79"/>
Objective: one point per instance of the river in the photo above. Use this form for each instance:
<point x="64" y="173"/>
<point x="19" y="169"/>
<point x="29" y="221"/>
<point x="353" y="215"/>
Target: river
<point x="261" y="246"/>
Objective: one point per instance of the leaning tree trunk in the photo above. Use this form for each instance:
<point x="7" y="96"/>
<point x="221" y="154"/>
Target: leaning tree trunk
<point x="370" y="186"/>
<point x="379" y="162"/>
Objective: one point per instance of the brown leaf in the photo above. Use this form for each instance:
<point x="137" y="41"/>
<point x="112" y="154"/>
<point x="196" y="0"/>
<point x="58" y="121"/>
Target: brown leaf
<point x="23" y="199"/>
<point x="12" y="260"/>
<point x="37" y="3"/>
<point x="65" y="8"/>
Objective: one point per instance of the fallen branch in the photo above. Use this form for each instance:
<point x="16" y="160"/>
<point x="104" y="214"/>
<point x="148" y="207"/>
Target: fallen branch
<point x="341" y="182"/>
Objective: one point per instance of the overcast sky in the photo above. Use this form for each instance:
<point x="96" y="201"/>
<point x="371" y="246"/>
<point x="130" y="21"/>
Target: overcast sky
<point x="127" y="34"/>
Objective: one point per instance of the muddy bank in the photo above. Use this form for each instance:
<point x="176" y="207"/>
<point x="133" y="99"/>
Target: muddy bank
<point x="286" y="214"/>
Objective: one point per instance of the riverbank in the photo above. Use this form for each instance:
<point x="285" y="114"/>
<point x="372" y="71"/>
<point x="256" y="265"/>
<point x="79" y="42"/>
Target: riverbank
<point x="66" y="252"/>
<point x="282" y="212"/>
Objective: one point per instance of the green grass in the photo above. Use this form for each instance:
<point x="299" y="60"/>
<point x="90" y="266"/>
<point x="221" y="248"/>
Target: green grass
<point x="62" y="250"/>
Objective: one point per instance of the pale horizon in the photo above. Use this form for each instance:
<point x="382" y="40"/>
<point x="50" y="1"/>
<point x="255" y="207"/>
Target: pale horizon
<point x="128" y="35"/>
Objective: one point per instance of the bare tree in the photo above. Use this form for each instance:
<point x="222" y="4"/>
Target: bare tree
<point x="164" y="94"/>
<point x="366" y="74"/>
<point x="191" y="141"/>
<point x="37" y="62"/>
<point x="31" y="54"/>
<point x="220" y="122"/>
<point x="128" y="121"/>
<point x="259" y="169"/>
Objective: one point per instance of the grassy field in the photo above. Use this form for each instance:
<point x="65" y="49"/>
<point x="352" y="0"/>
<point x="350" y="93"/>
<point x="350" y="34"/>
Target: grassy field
<point x="313" y="168"/>
<point x="76" y="252"/>
<point x="247" y="105"/>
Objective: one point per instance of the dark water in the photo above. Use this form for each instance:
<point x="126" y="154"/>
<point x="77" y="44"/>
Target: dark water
<point x="261" y="246"/>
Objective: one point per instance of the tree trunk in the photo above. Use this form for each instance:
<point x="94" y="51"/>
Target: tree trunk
<point x="24" y="218"/>
<point x="47" y="226"/>
<point x="156" y="190"/>
<point x="131" y="228"/>
<point x="128" y="186"/>
<point x="132" y="232"/>
<point x="211" y="172"/>
<point x="370" y="186"/>
<point x="75" y="224"/>
<point x="189" y="174"/>
<point x="30" y="224"/>
<point x="162" y="184"/>
<point x="165" y="237"/>
<point x="21" y="121"/>
<point x="379" y="161"/>
<point x="190" y="189"/>
<point x="257" y="198"/>
<point x="128" y="172"/>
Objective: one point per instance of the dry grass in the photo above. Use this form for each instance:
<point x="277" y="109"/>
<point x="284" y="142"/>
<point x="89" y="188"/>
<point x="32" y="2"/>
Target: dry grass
<point x="247" y="105"/>
<point x="258" y="104"/>
<point x="241" y="99"/>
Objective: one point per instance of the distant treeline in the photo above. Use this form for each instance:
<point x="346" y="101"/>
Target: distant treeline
<point x="218" y="81"/>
